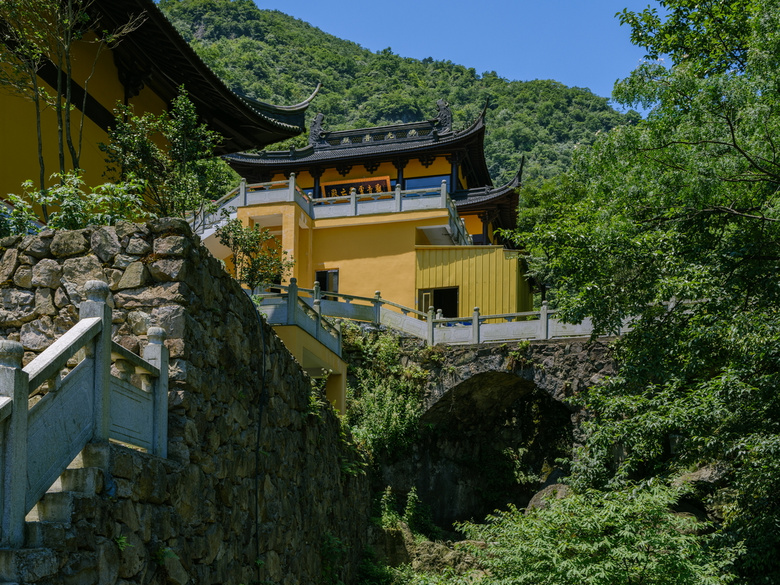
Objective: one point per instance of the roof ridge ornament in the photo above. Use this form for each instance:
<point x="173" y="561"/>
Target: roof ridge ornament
<point x="316" y="133"/>
<point x="444" y="117"/>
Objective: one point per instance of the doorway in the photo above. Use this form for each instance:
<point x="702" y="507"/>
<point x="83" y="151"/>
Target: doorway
<point x="445" y="299"/>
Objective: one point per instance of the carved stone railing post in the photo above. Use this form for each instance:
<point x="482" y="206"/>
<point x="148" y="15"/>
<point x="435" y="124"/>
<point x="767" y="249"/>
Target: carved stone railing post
<point x="475" y="325"/>
<point x="291" y="187"/>
<point x="242" y="191"/>
<point x="353" y="200"/>
<point x="292" y="301"/>
<point x="14" y="390"/>
<point x="544" y="322"/>
<point x="157" y="354"/>
<point x="398" y="197"/>
<point x="443" y="193"/>
<point x="317" y="290"/>
<point x="96" y="306"/>
<point x="430" y="327"/>
<point x="318" y="312"/>
<point x="377" y="308"/>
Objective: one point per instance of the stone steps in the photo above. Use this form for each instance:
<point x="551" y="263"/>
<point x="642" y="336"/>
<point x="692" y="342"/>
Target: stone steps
<point x="48" y="526"/>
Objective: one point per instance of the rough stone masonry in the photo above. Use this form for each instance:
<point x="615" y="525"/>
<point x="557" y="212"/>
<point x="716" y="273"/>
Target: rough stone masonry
<point x="227" y="506"/>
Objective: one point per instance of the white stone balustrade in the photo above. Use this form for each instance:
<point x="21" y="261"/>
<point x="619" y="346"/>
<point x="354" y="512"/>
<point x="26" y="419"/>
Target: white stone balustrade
<point x="88" y="404"/>
<point x="430" y="327"/>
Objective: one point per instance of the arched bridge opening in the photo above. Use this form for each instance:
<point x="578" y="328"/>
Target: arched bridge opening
<point x="496" y="427"/>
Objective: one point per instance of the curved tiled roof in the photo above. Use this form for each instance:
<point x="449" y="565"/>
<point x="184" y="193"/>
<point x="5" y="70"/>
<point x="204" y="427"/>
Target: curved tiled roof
<point x="155" y="55"/>
<point x="368" y="145"/>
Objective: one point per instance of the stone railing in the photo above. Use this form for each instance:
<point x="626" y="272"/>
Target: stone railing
<point x="431" y="327"/>
<point x="354" y="204"/>
<point x="87" y="404"/>
<point x="291" y="309"/>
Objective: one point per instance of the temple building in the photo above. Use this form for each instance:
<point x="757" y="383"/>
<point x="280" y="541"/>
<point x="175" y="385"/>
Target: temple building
<point x="144" y="70"/>
<point x="407" y="209"/>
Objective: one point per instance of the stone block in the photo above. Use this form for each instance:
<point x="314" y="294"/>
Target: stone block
<point x="27" y="565"/>
<point x="44" y="302"/>
<point x="172" y="318"/>
<point x="122" y="261"/>
<point x="168" y="269"/>
<point x="44" y="535"/>
<point x="170" y="225"/>
<point x="47" y="273"/>
<point x="39" y="246"/>
<point x="176" y="246"/>
<point x="8" y="264"/>
<point x="175" y="571"/>
<point x="153" y="296"/>
<point x="87" y="480"/>
<point x="133" y="556"/>
<point x="77" y="271"/>
<point x="107" y="561"/>
<point x="138" y="246"/>
<point x="114" y="276"/>
<point x="37" y="335"/>
<point x="139" y="322"/>
<point x="69" y="243"/>
<point x="127" y="228"/>
<point x="105" y="243"/>
<point x="61" y="298"/>
<point x="23" y="276"/>
<point x="135" y="275"/>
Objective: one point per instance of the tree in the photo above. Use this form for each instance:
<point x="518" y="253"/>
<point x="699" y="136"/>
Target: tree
<point x="257" y="255"/>
<point x="674" y="223"/>
<point x="40" y="33"/>
<point x="173" y="155"/>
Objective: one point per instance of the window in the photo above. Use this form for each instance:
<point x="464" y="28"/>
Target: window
<point x="428" y="182"/>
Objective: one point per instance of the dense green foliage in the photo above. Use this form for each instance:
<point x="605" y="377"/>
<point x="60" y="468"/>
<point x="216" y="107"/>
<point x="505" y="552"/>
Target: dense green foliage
<point x="270" y="56"/>
<point x="675" y="222"/>
<point x="618" y="538"/>
<point x="384" y="397"/>
<point x="172" y="155"/>
<point x="73" y="208"/>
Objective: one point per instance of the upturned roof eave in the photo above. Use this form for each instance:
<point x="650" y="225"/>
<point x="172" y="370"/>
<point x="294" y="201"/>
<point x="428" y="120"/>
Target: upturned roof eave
<point x="168" y="62"/>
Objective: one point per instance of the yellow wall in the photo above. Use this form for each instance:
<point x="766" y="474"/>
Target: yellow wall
<point x="312" y="355"/>
<point x="487" y="277"/>
<point x="376" y="256"/>
<point x="371" y="252"/>
<point x="18" y="149"/>
<point x="378" y="252"/>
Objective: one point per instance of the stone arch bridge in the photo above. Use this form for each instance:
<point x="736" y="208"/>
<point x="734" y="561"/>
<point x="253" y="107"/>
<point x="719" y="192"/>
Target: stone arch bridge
<point x="496" y="424"/>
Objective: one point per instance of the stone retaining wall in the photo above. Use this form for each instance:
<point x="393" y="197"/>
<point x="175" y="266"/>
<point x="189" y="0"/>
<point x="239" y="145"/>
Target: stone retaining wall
<point x="226" y="506"/>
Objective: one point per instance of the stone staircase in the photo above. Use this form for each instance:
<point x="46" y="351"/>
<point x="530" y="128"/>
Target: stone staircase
<point x="58" y="550"/>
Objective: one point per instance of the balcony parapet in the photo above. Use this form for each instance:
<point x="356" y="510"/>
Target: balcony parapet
<point x="354" y="204"/>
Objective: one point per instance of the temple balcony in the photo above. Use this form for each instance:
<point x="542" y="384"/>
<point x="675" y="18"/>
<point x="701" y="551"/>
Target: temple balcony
<point x="352" y="205"/>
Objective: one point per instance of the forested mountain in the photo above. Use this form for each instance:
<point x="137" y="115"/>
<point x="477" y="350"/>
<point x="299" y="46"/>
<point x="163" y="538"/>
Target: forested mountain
<point x="273" y="57"/>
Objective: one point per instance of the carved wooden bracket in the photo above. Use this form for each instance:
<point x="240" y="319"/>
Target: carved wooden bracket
<point x="343" y="170"/>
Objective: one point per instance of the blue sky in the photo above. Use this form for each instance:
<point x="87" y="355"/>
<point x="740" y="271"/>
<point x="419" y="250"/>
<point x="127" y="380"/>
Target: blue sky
<point x="577" y="42"/>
